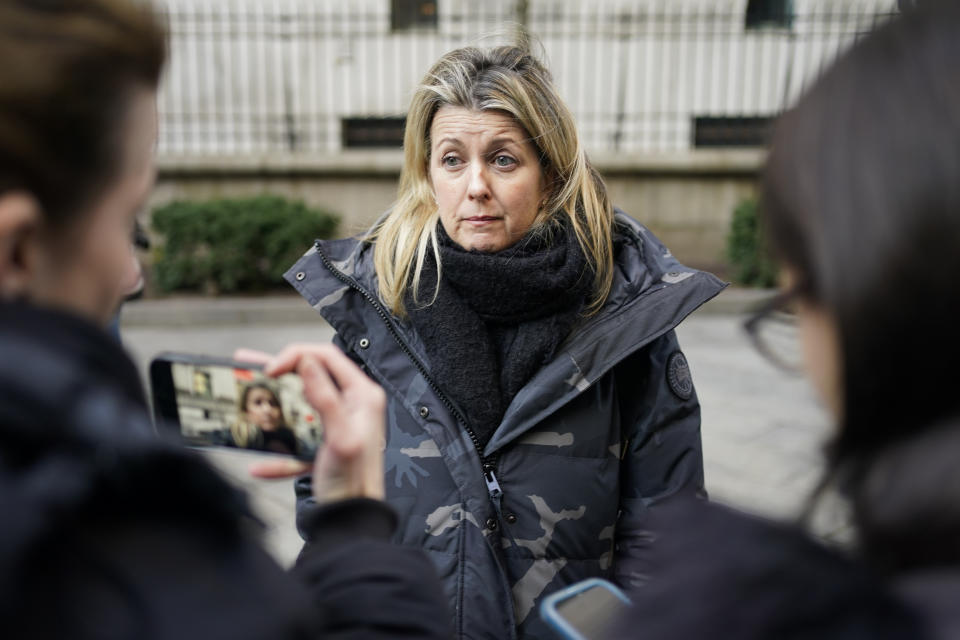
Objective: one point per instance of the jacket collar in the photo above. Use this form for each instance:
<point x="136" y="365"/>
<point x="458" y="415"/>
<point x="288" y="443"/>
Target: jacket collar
<point x="651" y="294"/>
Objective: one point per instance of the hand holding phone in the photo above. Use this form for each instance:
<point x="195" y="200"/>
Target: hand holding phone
<point x="316" y="390"/>
<point x="352" y="407"/>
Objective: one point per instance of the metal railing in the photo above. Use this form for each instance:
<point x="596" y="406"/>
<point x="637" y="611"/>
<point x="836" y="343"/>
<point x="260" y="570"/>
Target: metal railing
<point x="261" y="77"/>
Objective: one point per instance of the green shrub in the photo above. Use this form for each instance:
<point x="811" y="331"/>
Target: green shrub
<point x="746" y="248"/>
<point x="233" y="245"/>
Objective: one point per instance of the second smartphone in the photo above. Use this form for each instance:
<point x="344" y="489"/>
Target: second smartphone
<point x="213" y="401"/>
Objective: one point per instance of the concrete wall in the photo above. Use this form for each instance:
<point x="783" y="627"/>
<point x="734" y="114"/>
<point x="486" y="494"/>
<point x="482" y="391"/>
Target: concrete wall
<point x="686" y="198"/>
<point x="358" y="194"/>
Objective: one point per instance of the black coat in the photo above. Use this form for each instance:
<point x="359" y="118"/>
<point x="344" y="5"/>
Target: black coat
<point x="716" y="573"/>
<point x="109" y="532"/>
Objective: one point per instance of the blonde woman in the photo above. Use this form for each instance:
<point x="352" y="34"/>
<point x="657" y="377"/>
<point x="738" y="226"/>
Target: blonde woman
<point x="539" y="404"/>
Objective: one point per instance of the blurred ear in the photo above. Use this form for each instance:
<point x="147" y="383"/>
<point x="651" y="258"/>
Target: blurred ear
<point x="20" y="225"/>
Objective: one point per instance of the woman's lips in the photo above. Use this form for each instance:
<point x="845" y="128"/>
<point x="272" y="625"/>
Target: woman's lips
<point x="481" y="219"/>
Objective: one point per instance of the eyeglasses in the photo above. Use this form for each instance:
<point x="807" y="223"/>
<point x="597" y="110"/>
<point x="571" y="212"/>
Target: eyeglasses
<point x="773" y="331"/>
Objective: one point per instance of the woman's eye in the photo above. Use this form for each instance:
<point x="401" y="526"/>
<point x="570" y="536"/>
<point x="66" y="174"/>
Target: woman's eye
<point x="504" y="161"/>
<point x="450" y="161"/>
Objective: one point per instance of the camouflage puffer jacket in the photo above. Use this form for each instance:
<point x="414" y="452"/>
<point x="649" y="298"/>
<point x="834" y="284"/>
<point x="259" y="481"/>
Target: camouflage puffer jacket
<point x="560" y="492"/>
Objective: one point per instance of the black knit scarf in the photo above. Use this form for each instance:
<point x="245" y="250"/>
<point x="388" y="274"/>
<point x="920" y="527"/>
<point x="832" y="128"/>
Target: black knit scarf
<point x="498" y="317"/>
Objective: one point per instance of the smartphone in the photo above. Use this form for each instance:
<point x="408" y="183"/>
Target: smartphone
<point x="216" y="402"/>
<point x="585" y="610"/>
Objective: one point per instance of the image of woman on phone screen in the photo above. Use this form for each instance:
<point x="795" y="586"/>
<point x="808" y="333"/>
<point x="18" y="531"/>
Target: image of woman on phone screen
<point x="261" y="424"/>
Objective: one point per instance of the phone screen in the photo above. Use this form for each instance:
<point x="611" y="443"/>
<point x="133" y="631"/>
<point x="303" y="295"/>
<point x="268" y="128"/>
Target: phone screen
<point x="215" y="402"/>
<point x="586" y="610"/>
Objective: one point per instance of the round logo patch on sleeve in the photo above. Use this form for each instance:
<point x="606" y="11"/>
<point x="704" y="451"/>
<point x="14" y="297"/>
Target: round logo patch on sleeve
<point x="678" y="376"/>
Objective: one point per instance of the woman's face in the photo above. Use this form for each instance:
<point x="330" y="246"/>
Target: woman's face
<point x="486" y="177"/>
<point x="263" y="410"/>
<point x="88" y="266"/>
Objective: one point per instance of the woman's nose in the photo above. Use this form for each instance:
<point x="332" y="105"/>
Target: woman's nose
<point x="479" y="188"/>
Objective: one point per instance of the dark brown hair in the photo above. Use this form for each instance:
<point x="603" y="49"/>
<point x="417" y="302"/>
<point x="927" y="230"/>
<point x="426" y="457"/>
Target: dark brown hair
<point x="67" y="71"/>
<point x="862" y="200"/>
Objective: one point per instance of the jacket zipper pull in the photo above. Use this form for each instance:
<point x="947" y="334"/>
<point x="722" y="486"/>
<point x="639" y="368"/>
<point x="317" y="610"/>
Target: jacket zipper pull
<point x="496" y="493"/>
<point x="493" y="487"/>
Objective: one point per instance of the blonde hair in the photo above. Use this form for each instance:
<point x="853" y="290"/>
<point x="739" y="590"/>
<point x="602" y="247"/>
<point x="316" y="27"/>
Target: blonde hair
<point x="508" y="79"/>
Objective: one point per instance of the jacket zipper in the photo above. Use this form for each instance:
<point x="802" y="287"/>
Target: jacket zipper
<point x="489" y="464"/>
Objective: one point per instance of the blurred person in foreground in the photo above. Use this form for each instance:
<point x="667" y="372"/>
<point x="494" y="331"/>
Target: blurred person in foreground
<point x="862" y="207"/>
<point x="539" y="403"/>
<point x="108" y="531"/>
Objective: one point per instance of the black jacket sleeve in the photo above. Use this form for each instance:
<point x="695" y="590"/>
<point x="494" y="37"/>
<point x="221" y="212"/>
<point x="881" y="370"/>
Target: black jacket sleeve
<point x="718" y="574"/>
<point x="363" y="585"/>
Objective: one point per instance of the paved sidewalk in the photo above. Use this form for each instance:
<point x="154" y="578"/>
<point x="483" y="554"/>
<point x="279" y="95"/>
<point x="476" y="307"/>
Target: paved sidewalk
<point x="762" y="429"/>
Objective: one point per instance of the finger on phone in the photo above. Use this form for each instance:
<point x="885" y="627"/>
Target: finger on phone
<point x="286" y="361"/>
<point x="278" y="468"/>
<point x="345" y="372"/>
<point x="252" y="355"/>
<point x="318" y="387"/>
<point x="289" y="357"/>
